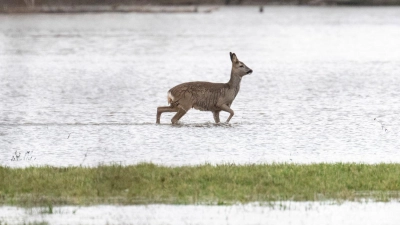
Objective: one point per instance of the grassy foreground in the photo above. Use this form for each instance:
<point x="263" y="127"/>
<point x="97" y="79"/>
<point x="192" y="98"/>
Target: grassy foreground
<point x="204" y="184"/>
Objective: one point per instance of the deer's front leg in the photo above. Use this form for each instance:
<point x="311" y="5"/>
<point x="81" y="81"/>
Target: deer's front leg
<point x="216" y="116"/>
<point x="226" y="108"/>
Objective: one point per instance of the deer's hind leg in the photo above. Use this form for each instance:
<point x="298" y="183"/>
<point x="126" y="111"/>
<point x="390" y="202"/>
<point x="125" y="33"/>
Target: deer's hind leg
<point x="163" y="109"/>
<point x="181" y="112"/>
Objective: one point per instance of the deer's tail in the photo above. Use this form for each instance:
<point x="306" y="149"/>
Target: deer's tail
<point x="170" y="98"/>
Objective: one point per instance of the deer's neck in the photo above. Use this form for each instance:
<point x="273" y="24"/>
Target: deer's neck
<point x="234" y="82"/>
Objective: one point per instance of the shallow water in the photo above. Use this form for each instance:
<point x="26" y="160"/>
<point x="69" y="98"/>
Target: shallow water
<point x="83" y="89"/>
<point x="279" y="213"/>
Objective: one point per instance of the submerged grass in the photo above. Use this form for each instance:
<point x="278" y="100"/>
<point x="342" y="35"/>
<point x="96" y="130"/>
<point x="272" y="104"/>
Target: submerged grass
<point x="205" y="184"/>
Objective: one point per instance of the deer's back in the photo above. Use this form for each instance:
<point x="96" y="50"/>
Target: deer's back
<point x="201" y="95"/>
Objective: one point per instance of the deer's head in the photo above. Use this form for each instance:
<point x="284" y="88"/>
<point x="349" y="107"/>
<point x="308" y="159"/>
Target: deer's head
<point x="238" y="67"/>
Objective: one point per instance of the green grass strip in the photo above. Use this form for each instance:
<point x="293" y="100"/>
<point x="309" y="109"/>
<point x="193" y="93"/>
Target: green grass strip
<point x="204" y="184"/>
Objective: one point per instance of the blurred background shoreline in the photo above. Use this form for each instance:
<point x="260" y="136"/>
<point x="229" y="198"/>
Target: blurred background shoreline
<point x="164" y="6"/>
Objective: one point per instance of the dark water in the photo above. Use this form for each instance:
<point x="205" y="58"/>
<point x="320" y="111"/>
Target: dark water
<point x="83" y="89"/>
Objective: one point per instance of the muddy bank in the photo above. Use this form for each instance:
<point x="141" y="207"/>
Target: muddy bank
<point x="79" y="6"/>
<point x="154" y="6"/>
<point x="13" y="3"/>
<point x="107" y="8"/>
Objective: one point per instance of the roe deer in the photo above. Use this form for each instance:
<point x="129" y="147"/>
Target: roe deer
<point x="206" y="96"/>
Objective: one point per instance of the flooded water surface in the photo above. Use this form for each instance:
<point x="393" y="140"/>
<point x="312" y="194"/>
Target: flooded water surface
<point x="284" y="213"/>
<point x="83" y="89"/>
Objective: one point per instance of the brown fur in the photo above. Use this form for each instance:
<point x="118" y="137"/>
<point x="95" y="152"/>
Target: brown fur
<point x="205" y="96"/>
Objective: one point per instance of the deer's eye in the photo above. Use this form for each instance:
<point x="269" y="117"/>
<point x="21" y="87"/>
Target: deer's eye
<point x="241" y="66"/>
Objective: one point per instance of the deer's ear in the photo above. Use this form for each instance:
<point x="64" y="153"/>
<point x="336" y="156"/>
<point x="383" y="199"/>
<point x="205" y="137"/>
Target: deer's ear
<point x="234" y="59"/>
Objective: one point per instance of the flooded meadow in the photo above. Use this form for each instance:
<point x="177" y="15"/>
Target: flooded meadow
<point x="82" y="89"/>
